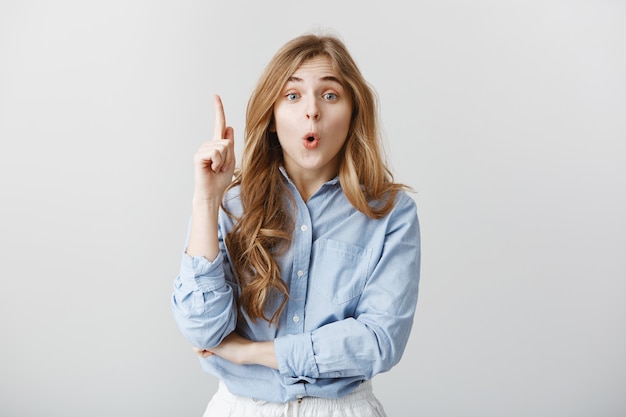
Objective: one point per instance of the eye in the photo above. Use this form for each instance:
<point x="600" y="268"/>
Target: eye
<point x="292" y="96"/>
<point x="330" y="96"/>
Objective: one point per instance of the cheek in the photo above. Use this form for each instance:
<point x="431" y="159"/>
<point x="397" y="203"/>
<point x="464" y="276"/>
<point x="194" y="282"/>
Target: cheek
<point x="344" y="120"/>
<point x="346" y="113"/>
<point x="283" y="119"/>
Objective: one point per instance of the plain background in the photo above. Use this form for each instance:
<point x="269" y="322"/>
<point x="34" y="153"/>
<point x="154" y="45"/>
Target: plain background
<point x="507" y="117"/>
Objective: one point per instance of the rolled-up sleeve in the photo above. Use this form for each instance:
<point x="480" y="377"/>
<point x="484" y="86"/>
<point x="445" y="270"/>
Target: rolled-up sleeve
<point x="297" y="361"/>
<point x="202" y="301"/>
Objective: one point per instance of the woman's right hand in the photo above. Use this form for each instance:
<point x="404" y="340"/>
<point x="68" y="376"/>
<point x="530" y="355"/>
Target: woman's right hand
<point x="214" y="161"/>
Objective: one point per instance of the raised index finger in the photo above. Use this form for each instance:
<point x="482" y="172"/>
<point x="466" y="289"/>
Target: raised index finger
<point x="220" y="119"/>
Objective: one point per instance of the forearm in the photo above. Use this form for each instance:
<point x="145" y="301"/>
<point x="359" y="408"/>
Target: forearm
<point x="242" y="351"/>
<point x="343" y="349"/>
<point x="203" y="236"/>
<point x="369" y="344"/>
<point x="265" y="355"/>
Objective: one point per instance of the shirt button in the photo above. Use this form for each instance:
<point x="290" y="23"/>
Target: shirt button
<point x="303" y="227"/>
<point x="300" y="273"/>
<point x="296" y="318"/>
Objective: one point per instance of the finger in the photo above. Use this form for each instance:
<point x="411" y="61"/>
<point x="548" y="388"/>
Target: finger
<point x="229" y="133"/>
<point x="229" y="154"/>
<point x="217" y="160"/>
<point x="203" y="353"/>
<point x="220" y="118"/>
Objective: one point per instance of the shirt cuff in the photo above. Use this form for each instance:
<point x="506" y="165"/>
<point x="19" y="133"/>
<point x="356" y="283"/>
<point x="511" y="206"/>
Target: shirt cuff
<point x="199" y="274"/>
<point x="296" y="360"/>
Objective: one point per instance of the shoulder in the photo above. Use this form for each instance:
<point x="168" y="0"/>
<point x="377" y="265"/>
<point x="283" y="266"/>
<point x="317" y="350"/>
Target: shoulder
<point x="403" y="199"/>
<point x="402" y="203"/>
<point x="404" y="208"/>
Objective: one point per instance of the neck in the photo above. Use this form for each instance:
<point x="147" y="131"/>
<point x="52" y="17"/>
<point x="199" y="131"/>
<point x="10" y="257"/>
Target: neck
<point x="308" y="182"/>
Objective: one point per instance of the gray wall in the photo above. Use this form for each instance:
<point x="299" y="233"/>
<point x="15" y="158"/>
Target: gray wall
<point x="507" y="117"/>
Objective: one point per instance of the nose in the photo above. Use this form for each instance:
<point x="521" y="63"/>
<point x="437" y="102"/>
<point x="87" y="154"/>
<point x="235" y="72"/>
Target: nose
<point x="312" y="110"/>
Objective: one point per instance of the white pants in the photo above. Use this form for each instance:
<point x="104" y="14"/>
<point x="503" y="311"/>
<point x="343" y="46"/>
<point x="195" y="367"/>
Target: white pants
<point x="359" y="403"/>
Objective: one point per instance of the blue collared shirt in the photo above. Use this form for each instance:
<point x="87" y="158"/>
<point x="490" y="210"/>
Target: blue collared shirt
<point x="353" y="285"/>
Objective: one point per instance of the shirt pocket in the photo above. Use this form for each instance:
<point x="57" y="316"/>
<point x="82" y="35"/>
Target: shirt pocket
<point x="339" y="270"/>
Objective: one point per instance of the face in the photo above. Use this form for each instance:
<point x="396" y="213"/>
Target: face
<point x="312" y="117"/>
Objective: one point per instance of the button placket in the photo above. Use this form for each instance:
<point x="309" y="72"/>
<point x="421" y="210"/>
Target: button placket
<point x="301" y="256"/>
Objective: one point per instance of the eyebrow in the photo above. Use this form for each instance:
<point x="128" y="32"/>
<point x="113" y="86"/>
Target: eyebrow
<point x="331" y="78"/>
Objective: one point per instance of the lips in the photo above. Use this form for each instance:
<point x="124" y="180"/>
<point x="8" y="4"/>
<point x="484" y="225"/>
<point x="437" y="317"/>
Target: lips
<point x="310" y="140"/>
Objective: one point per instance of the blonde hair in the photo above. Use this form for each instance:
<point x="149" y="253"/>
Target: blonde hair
<point x="265" y="228"/>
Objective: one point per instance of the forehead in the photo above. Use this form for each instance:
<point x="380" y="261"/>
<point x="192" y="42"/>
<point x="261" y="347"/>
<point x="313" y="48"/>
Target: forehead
<point x="315" y="68"/>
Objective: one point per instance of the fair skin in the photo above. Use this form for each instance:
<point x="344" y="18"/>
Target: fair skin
<point x="312" y="118"/>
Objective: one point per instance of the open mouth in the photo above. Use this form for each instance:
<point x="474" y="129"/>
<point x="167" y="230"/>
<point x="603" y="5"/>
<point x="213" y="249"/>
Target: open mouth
<point x="311" y="140"/>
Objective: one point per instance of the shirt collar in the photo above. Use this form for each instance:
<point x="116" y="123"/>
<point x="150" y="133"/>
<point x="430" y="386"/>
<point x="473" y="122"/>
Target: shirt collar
<point x="284" y="172"/>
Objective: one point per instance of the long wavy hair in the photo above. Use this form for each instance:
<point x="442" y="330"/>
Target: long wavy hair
<point x="264" y="230"/>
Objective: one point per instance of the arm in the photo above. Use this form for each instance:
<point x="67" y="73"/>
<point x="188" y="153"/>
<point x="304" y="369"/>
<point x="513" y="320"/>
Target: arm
<point x="214" y="164"/>
<point x="203" y="302"/>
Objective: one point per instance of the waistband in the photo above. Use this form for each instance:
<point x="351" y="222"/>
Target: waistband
<point x="356" y="398"/>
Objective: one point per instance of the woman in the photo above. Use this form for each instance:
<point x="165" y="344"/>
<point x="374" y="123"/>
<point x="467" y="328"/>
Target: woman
<point x="300" y="277"/>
